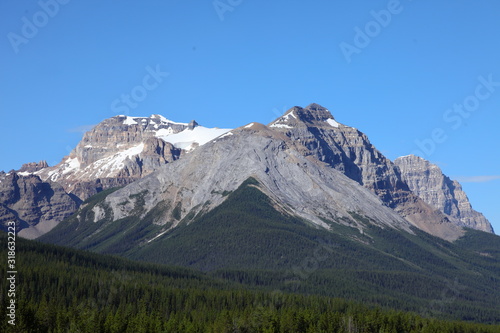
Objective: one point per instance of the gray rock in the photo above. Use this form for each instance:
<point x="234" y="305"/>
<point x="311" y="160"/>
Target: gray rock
<point x="33" y="166"/>
<point x="116" y="152"/>
<point x="349" y="151"/>
<point x="298" y="185"/>
<point x="428" y="182"/>
<point x="36" y="206"/>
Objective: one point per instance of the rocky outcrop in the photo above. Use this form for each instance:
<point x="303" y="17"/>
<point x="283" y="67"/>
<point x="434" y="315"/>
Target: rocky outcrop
<point x="428" y="182"/>
<point x="310" y="143"/>
<point x="33" y="167"/>
<point x="297" y="184"/>
<point x="114" y="153"/>
<point x="36" y="206"/>
<point x="348" y="150"/>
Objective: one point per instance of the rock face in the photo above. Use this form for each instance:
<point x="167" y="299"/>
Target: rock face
<point x="298" y="184"/>
<point x="33" y="167"/>
<point x="115" y="153"/>
<point x="308" y="163"/>
<point x="34" y="205"/>
<point x="428" y="182"/>
<point x="348" y="150"/>
<point x="123" y="149"/>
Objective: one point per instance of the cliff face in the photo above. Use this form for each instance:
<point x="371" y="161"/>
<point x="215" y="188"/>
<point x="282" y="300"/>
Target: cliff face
<point x="348" y="150"/>
<point x="115" y="153"/>
<point x="121" y="150"/>
<point x="428" y="182"/>
<point x="36" y="206"/>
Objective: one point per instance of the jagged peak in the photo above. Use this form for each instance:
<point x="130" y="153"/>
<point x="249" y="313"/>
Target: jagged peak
<point x="33" y="166"/>
<point x="140" y="120"/>
<point x="315" y="106"/>
<point x="311" y="114"/>
<point x="314" y="112"/>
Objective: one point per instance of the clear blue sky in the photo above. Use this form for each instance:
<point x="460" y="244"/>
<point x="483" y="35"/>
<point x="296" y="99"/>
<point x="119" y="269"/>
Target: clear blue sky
<point x="396" y="79"/>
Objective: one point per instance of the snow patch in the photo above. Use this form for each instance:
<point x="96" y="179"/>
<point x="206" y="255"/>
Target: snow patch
<point x="24" y="173"/>
<point x="70" y="165"/>
<point x="281" y="126"/>
<point x="164" y="132"/>
<point x="129" y="121"/>
<point x="159" y="235"/>
<point x="115" y="162"/>
<point x="188" y="138"/>
<point x="224" y="135"/>
<point x="249" y="125"/>
<point x="288" y="115"/>
<point x="332" y="122"/>
<point x="165" y="120"/>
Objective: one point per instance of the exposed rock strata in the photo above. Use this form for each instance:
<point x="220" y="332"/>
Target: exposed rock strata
<point x="428" y="182"/>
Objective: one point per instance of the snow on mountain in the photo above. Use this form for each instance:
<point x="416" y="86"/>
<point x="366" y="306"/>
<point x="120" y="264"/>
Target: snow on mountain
<point x="191" y="138"/>
<point x="332" y="122"/>
<point x="122" y="149"/>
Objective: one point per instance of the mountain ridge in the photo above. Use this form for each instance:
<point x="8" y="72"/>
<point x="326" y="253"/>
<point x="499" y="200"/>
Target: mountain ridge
<point x="428" y="182"/>
<point x="311" y="132"/>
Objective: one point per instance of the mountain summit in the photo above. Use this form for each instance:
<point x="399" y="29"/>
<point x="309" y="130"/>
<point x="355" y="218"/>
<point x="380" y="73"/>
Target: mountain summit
<point x="313" y="114"/>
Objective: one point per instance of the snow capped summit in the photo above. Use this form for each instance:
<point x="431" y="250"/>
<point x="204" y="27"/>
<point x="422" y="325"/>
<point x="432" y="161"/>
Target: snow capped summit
<point x="185" y="136"/>
<point x="122" y="149"/>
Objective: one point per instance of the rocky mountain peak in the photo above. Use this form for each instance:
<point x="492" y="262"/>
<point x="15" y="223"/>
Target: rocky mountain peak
<point x="122" y="149"/>
<point x="192" y="124"/>
<point x="33" y="166"/>
<point x="314" y="112"/>
<point x="427" y="181"/>
<point x="312" y="115"/>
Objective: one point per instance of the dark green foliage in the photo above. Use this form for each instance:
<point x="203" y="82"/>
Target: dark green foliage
<point x="63" y="290"/>
<point x="247" y="241"/>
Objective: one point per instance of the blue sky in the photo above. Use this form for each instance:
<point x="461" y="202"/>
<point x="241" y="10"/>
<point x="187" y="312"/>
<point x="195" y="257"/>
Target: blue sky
<point x="415" y="76"/>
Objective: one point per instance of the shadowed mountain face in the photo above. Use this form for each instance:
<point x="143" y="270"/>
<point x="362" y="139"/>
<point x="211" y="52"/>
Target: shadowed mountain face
<point x="29" y="201"/>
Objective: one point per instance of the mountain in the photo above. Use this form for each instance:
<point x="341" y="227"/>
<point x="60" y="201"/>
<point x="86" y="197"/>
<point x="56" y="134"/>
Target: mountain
<point x="306" y="205"/>
<point x="308" y="166"/>
<point x="346" y="149"/>
<point x="36" y="205"/>
<point x="249" y="239"/>
<point x="428" y="182"/>
<point x="116" y="152"/>
<point x="123" y="149"/>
